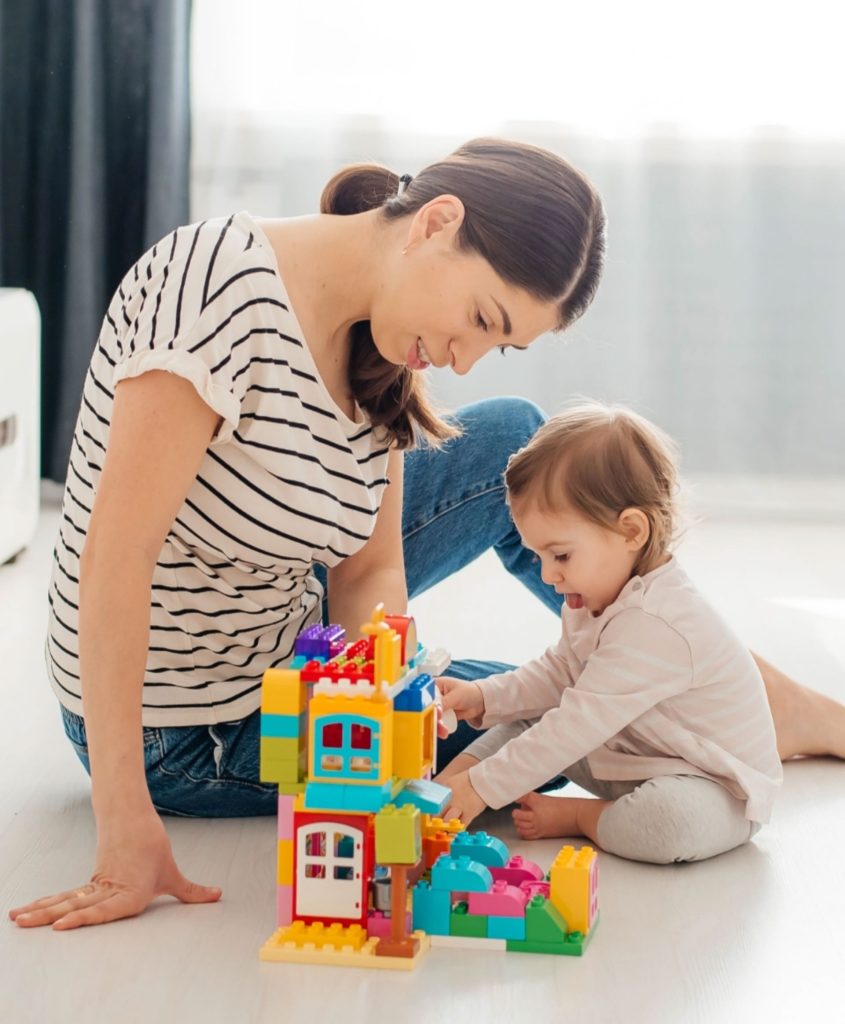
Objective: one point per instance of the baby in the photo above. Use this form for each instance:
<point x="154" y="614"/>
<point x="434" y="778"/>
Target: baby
<point x="648" y="700"/>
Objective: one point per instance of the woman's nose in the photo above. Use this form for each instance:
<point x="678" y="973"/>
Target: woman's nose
<point x="465" y="354"/>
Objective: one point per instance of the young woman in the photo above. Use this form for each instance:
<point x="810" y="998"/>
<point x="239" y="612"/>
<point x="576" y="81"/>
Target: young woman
<point x="242" y="430"/>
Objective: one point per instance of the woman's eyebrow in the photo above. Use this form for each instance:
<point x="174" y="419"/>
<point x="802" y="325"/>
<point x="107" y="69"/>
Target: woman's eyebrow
<point x="506" y="320"/>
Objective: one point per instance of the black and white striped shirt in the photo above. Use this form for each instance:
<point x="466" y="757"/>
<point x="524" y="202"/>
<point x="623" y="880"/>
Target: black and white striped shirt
<point x="288" y="481"/>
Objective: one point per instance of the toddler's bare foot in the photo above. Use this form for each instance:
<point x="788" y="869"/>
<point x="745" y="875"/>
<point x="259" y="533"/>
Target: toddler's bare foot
<point x="544" y="817"/>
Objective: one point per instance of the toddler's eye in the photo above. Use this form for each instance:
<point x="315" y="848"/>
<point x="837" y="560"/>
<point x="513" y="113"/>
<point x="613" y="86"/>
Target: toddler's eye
<point x="562" y="558"/>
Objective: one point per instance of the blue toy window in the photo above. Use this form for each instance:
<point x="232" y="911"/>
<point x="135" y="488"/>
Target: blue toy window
<point x="347" y="747"/>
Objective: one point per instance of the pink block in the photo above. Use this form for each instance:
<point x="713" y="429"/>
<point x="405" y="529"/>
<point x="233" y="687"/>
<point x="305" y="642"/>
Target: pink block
<point x="532" y="889"/>
<point x="378" y="926"/>
<point x="503" y="900"/>
<point x="285" y="816"/>
<point x="518" y="870"/>
<point x="284" y="904"/>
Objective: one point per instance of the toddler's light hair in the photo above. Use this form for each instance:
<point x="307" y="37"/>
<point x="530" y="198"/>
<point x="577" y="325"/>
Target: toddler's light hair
<point x="597" y="460"/>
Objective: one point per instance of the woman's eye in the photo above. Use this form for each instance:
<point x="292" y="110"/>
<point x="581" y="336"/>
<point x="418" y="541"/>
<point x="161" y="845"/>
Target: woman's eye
<point x="481" y="322"/>
<point x="502" y="349"/>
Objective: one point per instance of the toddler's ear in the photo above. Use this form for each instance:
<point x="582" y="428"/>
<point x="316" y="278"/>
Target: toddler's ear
<point x="635" y="527"/>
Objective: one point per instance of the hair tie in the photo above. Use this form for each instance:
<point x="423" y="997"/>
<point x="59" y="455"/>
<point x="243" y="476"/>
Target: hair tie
<point x="404" y="181"/>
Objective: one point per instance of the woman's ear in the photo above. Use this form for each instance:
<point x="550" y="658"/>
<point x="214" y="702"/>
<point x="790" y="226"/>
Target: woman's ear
<point x="635" y="527"/>
<point x="440" y="218"/>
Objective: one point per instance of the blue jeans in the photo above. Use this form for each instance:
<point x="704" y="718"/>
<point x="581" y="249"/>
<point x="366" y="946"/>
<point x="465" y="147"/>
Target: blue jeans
<point x="454" y="510"/>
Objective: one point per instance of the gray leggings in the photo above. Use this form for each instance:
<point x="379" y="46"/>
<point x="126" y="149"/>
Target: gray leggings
<point x="667" y="819"/>
<point x="664" y="820"/>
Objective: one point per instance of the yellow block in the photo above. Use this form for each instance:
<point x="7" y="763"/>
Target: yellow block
<point x="282" y="692"/>
<point x="413" y="743"/>
<point x="285" y="869"/>
<point x="574" y="878"/>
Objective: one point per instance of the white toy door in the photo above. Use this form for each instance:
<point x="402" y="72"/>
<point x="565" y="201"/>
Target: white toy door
<point x="330" y="861"/>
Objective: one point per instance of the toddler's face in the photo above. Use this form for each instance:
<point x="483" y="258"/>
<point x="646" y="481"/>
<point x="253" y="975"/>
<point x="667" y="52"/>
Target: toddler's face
<point x="588" y="563"/>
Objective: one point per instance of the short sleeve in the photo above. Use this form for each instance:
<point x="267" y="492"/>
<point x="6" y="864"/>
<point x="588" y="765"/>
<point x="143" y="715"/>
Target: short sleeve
<point x="204" y="310"/>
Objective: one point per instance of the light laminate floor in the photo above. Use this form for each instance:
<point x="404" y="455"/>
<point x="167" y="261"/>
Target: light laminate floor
<point x="755" y="935"/>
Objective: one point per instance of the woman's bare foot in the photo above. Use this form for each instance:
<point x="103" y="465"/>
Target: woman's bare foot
<point x="807" y="723"/>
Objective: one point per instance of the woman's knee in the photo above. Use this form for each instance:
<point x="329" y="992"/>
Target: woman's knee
<point x="507" y="422"/>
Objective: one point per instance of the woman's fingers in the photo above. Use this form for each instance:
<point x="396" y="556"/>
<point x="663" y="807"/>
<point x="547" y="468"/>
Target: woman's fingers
<point x="51" y="909"/>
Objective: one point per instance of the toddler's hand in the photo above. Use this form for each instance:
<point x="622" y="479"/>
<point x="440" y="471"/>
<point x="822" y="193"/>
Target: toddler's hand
<point x="466" y="803"/>
<point x="458" y="698"/>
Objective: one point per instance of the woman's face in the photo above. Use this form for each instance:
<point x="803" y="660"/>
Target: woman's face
<point x="436" y="305"/>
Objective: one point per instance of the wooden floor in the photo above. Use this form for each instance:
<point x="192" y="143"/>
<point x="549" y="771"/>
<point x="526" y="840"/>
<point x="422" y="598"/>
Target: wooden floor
<point x="755" y="935"/>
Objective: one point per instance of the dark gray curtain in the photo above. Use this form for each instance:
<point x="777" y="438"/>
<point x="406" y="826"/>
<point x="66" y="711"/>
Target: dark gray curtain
<point x="94" y="167"/>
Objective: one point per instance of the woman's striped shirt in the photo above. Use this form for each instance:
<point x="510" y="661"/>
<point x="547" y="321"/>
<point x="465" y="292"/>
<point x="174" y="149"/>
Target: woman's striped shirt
<point x="288" y="481"/>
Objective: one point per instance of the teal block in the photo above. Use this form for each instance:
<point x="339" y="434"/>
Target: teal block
<point x="460" y="874"/>
<point x="432" y="909"/>
<point x="287" y="727"/>
<point x="506" y="928"/>
<point x="430" y="797"/>
<point x="482" y="847"/>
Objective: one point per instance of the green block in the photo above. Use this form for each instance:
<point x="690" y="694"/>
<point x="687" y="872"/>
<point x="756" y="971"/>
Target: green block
<point x="463" y="923"/>
<point x="573" y="945"/>
<point x="543" y="922"/>
<point x="274" y="748"/>
<point x="398" y="835"/>
<point x="275" y="769"/>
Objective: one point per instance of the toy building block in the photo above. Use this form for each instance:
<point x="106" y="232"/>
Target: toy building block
<point x="502" y="900"/>
<point x="433" y="846"/>
<point x="284" y="904"/>
<point x="417" y="696"/>
<point x="398" y="838"/>
<point x="433" y="825"/>
<point x="469" y="942"/>
<point x="319" y="641"/>
<point x="432" y="909"/>
<point x="461" y="922"/>
<point x="506" y="927"/>
<point x="479" y="846"/>
<point x="543" y="922"/>
<point x="285" y="816"/>
<point x="280" y="948"/>
<point x="378" y="924"/>
<point x="282" y="692"/>
<point x="430" y="797"/>
<point x="460" y="874"/>
<point x="574" y="886"/>
<point x="413" y="743"/>
<point x="434" y="662"/>
<point x="518" y="870"/>
<point x="283" y="726"/>
<point x="284" y="872"/>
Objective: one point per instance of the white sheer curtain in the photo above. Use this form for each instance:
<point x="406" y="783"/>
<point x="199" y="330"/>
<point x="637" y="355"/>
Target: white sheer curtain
<point x="715" y="132"/>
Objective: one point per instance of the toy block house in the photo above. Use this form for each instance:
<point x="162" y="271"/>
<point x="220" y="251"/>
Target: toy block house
<point x="368" y="874"/>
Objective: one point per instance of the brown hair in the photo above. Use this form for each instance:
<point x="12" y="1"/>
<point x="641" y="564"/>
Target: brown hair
<point x="597" y="460"/>
<point x="535" y="219"/>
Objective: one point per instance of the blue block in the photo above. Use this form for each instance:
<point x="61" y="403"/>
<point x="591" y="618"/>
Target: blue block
<point x="338" y="796"/>
<point x="460" y="874"/>
<point x="505" y="927"/>
<point x="489" y="850"/>
<point x="286" y="727"/>
<point x="430" y="797"/>
<point x="432" y="909"/>
<point x="418" y="695"/>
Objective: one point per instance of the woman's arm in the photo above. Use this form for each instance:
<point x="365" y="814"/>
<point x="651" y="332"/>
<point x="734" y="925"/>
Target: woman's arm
<point x="376" y="573"/>
<point x="159" y="433"/>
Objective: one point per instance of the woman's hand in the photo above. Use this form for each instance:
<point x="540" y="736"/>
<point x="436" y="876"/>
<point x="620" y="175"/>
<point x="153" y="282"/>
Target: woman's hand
<point x="134" y="865"/>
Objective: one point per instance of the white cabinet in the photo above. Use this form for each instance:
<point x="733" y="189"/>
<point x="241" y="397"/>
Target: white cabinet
<point x="20" y="404"/>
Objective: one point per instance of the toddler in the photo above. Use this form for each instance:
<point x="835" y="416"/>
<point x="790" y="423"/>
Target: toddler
<point x="648" y="700"/>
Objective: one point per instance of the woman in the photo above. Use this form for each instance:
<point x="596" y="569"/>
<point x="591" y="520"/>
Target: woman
<point x="244" y="420"/>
